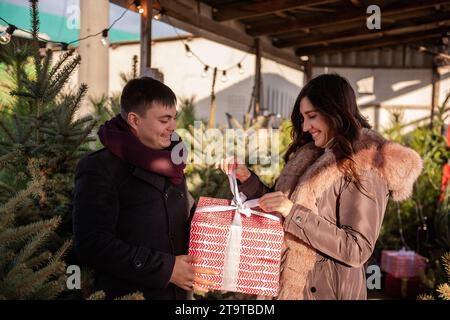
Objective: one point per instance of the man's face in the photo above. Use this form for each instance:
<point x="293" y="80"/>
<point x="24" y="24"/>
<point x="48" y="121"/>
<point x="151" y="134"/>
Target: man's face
<point x="155" y="128"/>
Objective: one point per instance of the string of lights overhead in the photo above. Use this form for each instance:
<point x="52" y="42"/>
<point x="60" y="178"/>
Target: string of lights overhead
<point x="6" y="35"/>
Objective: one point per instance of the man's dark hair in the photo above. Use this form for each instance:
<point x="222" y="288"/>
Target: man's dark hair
<point x="139" y="95"/>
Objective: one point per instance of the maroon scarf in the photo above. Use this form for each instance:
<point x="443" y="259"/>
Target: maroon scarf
<point x="117" y="137"/>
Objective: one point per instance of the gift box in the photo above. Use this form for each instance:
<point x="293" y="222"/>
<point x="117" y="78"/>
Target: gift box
<point x="402" y="288"/>
<point x="240" y="242"/>
<point x="402" y="263"/>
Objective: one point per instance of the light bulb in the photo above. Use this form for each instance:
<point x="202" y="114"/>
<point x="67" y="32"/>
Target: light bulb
<point x="224" y="76"/>
<point x="241" y="70"/>
<point x="304" y="58"/>
<point x="139" y="8"/>
<point x="188" y="51"/>
<point x="105" y="37"/>
<point x="205" y="72"/>
<point x="157" y="16"/>
<point x="5" y="36"/>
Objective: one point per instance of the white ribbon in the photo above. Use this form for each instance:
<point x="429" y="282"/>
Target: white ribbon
<point x="233" y="248"/>
<point x="238" y="203"/>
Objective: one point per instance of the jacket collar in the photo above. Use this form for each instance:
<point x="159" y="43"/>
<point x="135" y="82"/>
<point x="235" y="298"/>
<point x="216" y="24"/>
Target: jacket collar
<point x="398" y="165"/>
<point x="152" y="178"/>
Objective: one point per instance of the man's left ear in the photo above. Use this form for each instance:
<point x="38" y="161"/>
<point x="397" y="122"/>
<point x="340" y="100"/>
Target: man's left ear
<point x="133" y="120"/>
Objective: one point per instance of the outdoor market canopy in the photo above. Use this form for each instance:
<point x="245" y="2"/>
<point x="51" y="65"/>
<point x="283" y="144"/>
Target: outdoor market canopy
<point x="289" y="30"/>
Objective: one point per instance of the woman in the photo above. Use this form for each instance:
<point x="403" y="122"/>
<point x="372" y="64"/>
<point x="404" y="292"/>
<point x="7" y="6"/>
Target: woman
<point x="332" y="192"/>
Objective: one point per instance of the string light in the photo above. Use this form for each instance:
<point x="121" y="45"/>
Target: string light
<point x="105" y="37"/>
<point x="224" y="77"/>
<point x="188" y="51"/>
<point x="241" y="70"/>
<point x="5" y="36"/>
<point x="139" y="8"/>
<point x="205" y="71"/>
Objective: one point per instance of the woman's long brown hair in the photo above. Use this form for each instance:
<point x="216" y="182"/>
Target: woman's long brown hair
<point x="333" y="97"/>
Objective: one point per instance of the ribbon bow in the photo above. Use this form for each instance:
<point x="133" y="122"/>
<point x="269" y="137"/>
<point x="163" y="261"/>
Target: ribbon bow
<point x="238" y="203"/>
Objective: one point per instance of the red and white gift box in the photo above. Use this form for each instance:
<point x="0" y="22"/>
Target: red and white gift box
<point x="245" y="250"/>
<point x="402" y="263"/>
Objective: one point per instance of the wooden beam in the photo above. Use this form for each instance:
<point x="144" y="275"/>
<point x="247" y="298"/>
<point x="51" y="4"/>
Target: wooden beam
<point x="350" y="36"/>
<point x="257" y="100"/>
<point x="184" y="14"/>
<point x="435" y="84"/>
<point x="351" y="15"/>
<point x="387" y="42"/>
<point x="247" y="9"/>
<point x="233" y="35"/>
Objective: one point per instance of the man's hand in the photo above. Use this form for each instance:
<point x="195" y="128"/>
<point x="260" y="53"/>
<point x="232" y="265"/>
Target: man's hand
<point x="276" y="201"/>
<point x="184" y="274"/>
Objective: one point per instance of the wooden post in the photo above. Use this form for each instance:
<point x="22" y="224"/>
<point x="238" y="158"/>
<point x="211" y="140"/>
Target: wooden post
<point x="257" y="101"/>
<point x="435" y="83"/>
<point x="94" y="68"/>
<point x="213" y="107"/>
<point x="146" y="38"/>
<point x="308" y="70"/>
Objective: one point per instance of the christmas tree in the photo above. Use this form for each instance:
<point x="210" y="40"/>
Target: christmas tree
<point x="40" y="142"/>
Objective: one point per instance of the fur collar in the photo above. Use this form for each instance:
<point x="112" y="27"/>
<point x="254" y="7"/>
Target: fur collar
<point x="316" y="170"/>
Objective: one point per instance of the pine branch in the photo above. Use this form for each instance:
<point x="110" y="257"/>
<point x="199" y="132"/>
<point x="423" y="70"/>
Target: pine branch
<point x="6" y="159"/>
<point x="36" y="241"/>
<point x="76" y="104"/>
<point x="7" y="209"/>
<point x="61" y="61"/>
<point x="50" y="290"/>
<point x="19" y="234"/>
<point x="98" y="295"/>
<point x="45" y="274"/>
<point x="133" y="296"/>
<point x="61" y="77"/>
<point x="425" y="297"/>
<point x="446" y="264"/>
<point x="7" y="131"/>
<point x="42" y="81"/>
<point x="34" y="12"/>
<point x="40" y="260"/>
<point x="13" y="285"/>
<point x="59" y="255"/>
<point x="444" y="291"/>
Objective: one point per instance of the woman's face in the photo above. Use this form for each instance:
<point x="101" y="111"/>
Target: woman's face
<point x="315" y="123"/>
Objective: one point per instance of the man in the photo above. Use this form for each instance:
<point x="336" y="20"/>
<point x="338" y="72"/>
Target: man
<point x="131" y="206"/>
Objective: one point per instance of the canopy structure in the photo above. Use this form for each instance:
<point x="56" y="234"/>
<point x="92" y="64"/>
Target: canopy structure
<point x="307" y="33"/>
<point x="290" y="30"/>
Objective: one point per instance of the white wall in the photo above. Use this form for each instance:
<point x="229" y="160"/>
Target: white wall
<point x="406" y="90"/>
<point x="281" y="84"/>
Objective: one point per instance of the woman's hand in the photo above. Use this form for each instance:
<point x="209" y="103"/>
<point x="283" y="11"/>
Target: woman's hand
<point x="227" y="165"/>
<point x="276" y="201"/>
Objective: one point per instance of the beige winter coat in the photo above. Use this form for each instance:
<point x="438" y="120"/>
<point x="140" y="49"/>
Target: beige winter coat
<point x="332" y="229"/>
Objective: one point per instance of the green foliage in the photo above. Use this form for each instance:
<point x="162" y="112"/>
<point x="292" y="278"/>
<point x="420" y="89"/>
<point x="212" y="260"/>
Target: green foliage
<point x="28" y="270"/>
<point x="421" y="223"/>
<point x="41" y="140"/>
<point x="186" y="114"/>
<point x="443" y="289"/>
